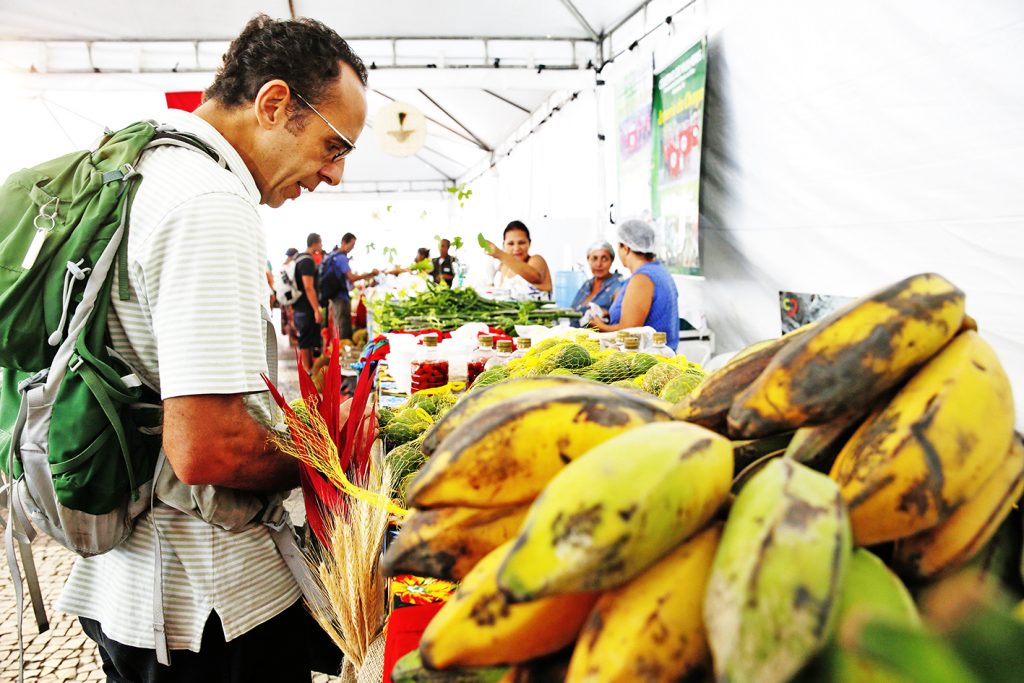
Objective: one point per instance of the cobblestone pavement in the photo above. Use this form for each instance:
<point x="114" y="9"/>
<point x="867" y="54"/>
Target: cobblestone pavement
<point x="64" y="652"/>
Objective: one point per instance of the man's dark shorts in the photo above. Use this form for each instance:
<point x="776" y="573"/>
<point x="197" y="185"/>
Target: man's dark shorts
<point x="308" y="329"/>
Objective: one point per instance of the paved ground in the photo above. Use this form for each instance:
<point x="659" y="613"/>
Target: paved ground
<point x="64" y="653"/>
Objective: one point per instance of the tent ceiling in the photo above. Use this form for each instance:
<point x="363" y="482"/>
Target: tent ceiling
<point x="204" y="20"/>
<point x="88" y="46"/>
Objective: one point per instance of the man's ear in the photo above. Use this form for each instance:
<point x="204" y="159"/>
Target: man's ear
<point x="271" y="104"/>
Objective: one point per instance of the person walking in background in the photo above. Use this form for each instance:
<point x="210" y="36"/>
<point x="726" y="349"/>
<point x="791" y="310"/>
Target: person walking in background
<point x="444" y="265"/>
<point x="307" y="312"/>
<point x="339" y="264"/>
<point x="287" y="312"/>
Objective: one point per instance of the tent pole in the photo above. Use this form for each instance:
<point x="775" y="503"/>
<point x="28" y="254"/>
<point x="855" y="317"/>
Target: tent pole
<point x="479" y="142"/>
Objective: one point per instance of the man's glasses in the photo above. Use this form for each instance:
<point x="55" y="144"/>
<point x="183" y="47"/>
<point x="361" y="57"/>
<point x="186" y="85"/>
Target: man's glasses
<point x="350" y="146"/>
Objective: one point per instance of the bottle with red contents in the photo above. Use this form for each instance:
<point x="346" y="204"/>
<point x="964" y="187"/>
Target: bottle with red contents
<point x="478" y="361"/>
<point x="429" y="369"/>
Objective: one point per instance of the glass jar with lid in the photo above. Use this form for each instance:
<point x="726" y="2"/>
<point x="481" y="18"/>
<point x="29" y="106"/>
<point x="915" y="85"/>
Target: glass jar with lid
<point x="429" y="369"/>
<point x="478" y="361"/>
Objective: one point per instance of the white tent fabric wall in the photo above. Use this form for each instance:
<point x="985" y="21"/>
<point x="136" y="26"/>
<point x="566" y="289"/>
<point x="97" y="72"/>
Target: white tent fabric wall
<point x="847" y="146"/>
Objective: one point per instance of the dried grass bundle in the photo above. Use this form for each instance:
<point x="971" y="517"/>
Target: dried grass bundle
<point x="348" y="575"/>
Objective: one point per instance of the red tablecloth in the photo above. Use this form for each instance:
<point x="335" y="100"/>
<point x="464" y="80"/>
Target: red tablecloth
<point x="405" y="626"/>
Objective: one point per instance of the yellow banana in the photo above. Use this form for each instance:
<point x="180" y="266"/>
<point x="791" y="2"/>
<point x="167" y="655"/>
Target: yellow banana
<point x="447" y="542"/>
<point x="479" y="627"/>
<point x="818" y="445"/>
<point x="960" y="536"/>
<point x="652" y="628"/>
<point x="931" y="448"/>
<point x="851" y="358"/>
<point x="472" y="404"/>
<point x="614" y="512"/>
<point x="777" y="574"/>
<point x="708" y="404"/>
<point x="508" y="453"/>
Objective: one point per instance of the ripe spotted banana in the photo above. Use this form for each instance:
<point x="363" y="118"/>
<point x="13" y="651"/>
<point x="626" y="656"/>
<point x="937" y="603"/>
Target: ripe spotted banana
<point x="956" y="540"/>
<point x="931" y="448"/>
<point x="708" y="404"/>
<point x="508" y="453"/>
<point x="479" y="627"/>
<point x="615" y="511"/>
<point x="777" y="574"/>
<point x="652" y="628"/>
<point x="447" y="542"/>
<point x="474" y="403"/>
<point x="851" y="357"/>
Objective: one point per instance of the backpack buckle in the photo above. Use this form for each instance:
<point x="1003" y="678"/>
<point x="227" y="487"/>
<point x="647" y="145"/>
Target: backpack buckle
<point x="76" y="363"/>
<point x="128" y="171"/>
<point x="25" y="384"/>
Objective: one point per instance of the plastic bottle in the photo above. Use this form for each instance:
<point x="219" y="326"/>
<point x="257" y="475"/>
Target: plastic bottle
<point x="502" y="356"/>
<point x="522" y="346"/>
<point x="478" y="360"/>
<point x="429" y="369"/>
<point x="660" y="347"/>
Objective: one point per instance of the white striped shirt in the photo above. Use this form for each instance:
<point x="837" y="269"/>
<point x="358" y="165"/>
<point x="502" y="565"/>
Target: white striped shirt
<point x="193" y="325"/>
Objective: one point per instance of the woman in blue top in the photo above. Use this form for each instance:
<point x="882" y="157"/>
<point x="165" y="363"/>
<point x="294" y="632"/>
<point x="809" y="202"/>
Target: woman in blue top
<point x="602" y="288"/>
<point x="649" y="296"/>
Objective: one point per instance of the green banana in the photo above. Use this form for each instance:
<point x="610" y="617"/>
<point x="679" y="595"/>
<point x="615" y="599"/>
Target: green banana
<point x="410" y="669"/>
<point x="613" y="512"/>
<point x="777" y="575"/>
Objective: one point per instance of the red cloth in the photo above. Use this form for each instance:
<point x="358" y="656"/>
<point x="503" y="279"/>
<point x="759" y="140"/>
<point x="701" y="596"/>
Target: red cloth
<point x="187" y="100"/>
<point x="404" y="629"/>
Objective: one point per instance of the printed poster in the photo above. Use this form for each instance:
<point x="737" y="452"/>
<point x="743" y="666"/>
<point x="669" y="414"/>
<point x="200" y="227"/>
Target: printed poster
<point x="677" y="118"/>
<point x="633" y="145"/>
<point x="798" y="309"/>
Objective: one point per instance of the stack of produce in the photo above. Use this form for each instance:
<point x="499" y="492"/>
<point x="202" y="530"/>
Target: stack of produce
<point x="600" y="537"/>
<point x="670" y="378"/>
<point x="445" y="309"/>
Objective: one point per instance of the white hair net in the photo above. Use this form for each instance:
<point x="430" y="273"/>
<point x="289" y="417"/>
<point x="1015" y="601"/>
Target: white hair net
<point x="637" y="235"/>
<point x="601" y="245"/>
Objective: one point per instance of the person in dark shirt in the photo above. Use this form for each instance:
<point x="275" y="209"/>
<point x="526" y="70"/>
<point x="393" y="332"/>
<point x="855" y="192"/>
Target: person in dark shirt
<point x="444" y="265"/>
<point x="306" y="310"/>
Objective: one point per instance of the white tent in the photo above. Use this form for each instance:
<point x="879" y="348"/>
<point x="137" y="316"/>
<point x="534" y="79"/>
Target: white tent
<point x="845" y="145"/>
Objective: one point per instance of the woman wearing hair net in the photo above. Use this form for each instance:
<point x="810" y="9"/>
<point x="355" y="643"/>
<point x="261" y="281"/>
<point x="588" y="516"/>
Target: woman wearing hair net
<point x="601" y="289"/>
<point x="649" y="296"/>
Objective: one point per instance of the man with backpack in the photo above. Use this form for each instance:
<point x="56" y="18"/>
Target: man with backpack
<point x="336" y="279"/>
<point x="201" y="584"/>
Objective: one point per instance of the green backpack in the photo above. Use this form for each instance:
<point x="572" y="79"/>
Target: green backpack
<point x="79" y="432"/>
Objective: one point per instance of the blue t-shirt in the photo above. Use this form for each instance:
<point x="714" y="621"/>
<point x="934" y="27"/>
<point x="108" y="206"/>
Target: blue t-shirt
<point x="344" y="268"/>
<point x="663" y="315"/>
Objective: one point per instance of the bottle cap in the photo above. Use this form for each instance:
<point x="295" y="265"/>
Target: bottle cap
<point x="631" y="342"/>
<point x="523" y="343"/>
<point x="505" y="346"/>
<point x="429" y="340"/>
<point x="660" y="338"/>
<point x="486" y="341"/>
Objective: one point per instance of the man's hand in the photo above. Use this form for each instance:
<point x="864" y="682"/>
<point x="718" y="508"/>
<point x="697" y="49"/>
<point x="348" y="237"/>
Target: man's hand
<point x="318" y="315"/>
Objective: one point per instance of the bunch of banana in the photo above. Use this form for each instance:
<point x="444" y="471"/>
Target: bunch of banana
<point x="508" y="452"/>
<point x="932" y="447"/>
<point x="777" y="575"/>
<point x="479" y="626"/>
<point x="652" y="628"/>
<point x="851" y="357"/>
<point x="614" y="512"/>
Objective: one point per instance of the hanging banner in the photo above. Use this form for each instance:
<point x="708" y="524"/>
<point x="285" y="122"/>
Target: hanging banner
<point x="677" y="117"/>
<point x="632" y="95"/>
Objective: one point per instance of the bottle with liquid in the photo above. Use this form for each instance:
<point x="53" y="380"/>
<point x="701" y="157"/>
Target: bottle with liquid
<point x="630" y="343"/>
<point x="429" y="368"/>
<point x="660" y="347"/>
<point x="502" y="356"/>
<point x="522" y="346"/>
<point x="478" y="361"/>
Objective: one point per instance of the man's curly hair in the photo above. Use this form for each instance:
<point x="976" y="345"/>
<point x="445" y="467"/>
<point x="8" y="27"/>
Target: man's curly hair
<point x="303" y="53"/>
